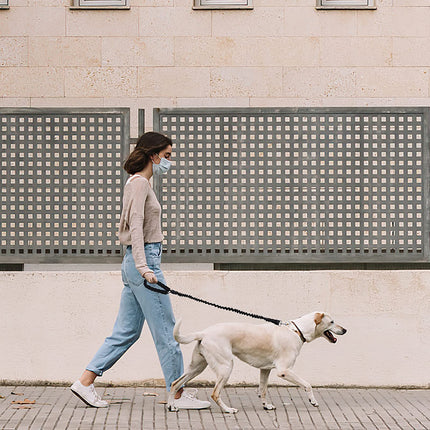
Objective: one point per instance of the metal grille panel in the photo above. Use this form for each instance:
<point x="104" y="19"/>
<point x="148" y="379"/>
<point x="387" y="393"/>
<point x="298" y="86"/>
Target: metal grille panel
<point x="296" y="185"/>
<point x="61" y="183"/>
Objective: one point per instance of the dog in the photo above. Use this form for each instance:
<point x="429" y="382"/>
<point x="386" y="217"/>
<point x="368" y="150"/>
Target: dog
<point x="264" y="346"/>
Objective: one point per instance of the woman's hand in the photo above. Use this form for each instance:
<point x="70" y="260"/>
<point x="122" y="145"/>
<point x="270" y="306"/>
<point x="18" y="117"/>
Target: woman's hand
<point x="150" y="277"/>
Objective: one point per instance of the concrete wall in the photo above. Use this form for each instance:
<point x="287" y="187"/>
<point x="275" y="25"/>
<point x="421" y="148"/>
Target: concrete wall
<point x="161" y="53"/>
<point x="51" y="323"/>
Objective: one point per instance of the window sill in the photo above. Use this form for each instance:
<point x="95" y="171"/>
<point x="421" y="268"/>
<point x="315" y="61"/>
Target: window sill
<point x="346" y="8"/>
<point x="226" y="7"/>
<point x="99" y="8"/>
<point x="4" y="7"/>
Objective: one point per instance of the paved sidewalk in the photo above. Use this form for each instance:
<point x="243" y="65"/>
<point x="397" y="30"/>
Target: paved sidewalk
<point x="143" y="408"/>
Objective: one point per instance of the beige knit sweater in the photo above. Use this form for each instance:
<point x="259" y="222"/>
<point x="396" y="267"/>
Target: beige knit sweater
<point x="140" y="221"/>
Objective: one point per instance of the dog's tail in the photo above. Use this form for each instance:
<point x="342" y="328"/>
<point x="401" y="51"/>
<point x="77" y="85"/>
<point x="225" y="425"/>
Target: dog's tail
<point x="185" y="338"/>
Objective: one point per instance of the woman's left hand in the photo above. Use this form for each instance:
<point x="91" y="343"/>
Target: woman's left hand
<point x="150" y="277"/>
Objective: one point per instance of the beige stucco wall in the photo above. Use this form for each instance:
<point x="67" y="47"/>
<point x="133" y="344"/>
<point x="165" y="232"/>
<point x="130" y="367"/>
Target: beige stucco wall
<point x="161" y="53"/>
<point x="51" y="323"/>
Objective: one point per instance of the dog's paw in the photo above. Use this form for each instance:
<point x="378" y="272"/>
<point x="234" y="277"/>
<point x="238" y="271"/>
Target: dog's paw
<point x="314" y="403"/>
<point x="269" y="407"/>
<point x="230" y="410"/>
<point x="172" y="408"/>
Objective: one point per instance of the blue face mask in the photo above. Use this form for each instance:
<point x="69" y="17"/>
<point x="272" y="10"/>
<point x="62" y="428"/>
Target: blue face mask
<point x="162" y="167"/>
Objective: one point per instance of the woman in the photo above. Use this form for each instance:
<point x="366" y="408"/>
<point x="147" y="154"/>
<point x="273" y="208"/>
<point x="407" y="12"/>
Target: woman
<point x="140" y="230"/>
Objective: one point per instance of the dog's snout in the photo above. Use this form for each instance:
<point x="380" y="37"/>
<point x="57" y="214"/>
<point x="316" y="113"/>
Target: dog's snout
<point x="339" y="330"/>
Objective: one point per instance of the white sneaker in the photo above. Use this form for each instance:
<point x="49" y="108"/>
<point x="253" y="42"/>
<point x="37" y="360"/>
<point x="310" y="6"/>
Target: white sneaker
<point x="188" y="400"/>
<point x="88" y="395"/>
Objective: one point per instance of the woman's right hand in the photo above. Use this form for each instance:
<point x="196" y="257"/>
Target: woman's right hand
<point x="150" y="277"/>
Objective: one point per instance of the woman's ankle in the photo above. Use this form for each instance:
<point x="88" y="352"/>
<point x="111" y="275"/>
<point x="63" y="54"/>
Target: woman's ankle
<point x="87" y="378"/>
<point x="179" y="394"/>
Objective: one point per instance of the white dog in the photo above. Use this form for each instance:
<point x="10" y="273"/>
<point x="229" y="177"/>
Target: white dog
<point x="264" y="346"/>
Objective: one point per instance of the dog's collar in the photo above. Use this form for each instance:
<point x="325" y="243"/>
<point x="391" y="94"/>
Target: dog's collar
<point x="299" y="332"/>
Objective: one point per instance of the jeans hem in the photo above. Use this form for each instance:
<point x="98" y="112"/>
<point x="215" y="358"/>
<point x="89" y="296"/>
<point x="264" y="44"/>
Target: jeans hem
<point x="97" y="372"/>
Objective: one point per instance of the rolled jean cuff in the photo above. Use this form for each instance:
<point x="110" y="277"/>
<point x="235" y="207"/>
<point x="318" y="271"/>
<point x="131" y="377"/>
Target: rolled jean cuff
<point x="97" y="372"/>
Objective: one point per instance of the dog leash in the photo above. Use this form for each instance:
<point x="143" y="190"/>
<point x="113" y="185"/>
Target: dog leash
<point x="166" y="290"/>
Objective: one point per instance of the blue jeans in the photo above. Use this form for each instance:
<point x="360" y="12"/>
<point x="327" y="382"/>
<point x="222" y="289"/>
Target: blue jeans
<point x="137" y="305"/>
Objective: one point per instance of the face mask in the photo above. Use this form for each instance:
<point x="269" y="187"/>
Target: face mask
<point x="162" y="167"/>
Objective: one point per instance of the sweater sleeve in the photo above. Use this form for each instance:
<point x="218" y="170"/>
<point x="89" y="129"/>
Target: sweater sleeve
<point x="140" y="189"/>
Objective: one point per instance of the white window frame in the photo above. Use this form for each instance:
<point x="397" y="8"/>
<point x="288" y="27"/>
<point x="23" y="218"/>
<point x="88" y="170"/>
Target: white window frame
<point x="4" y="4"/>
<point x="223" y="4"/>
<point x="100" y="4"/>
<point x="346" y="4"/>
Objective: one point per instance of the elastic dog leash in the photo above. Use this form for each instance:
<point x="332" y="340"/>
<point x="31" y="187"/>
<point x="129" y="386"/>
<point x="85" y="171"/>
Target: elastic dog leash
<point x="167" y="290"/>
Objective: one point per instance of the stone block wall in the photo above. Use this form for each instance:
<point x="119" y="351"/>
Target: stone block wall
<point x="162" y="53"/>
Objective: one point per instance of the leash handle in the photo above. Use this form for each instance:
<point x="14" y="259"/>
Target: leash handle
<point x="165" y="288"/>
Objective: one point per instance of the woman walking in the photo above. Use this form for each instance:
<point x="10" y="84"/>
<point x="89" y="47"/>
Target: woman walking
<point x="140" y="231"/>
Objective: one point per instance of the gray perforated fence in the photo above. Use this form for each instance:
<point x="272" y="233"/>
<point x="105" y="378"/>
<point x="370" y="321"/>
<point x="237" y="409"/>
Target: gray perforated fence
<point x="296" y="185"/>
<point x="61" y="184"/>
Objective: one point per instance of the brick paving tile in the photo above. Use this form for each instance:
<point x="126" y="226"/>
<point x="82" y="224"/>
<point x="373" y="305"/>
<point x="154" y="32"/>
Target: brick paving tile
<point x="6" y="411"/>
<point x="372" y="410"/>
<point x="417" y="403"/>
<point x="316" y="415"/>
<point x="248" y="417"/>
<point x="293" y="413"/>
<point x="56" y="408"/>
<point x="363" y="420"/>
<point x="305" y="410"/>
<point x="412" y="409"/>
<point x="385" y="410"/>
<point x="324" y="400"/>
<point x="282" y="402"/>
<point x="344" y="415"/>
<point x="267" y="418"/>
<point x="399" y="412"/>
<point x="23" y="418"/>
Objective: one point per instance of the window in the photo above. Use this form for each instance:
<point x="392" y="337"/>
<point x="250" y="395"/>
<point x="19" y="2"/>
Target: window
<point x="4" y="4"/>
<point x="222" y="4"/>
<point x="100" y="4"/>
<point x="346" y="4"/>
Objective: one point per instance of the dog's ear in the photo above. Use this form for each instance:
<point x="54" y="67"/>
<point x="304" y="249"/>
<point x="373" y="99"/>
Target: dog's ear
<point x="318" y="318"/>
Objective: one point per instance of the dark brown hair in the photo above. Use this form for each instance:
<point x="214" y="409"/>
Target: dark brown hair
<point x="148" y="144"/>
